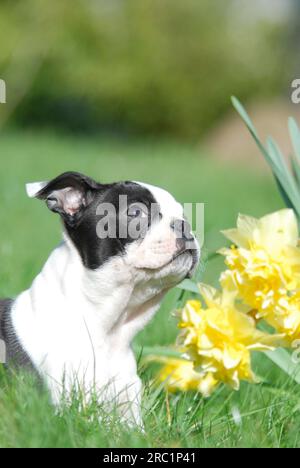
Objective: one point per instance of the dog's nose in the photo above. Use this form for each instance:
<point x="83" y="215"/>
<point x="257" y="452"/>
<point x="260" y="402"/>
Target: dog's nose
<point x="182" y="229"/>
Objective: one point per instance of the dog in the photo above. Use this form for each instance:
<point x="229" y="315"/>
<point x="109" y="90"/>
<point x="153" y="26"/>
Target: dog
<point x="99" y="287"/>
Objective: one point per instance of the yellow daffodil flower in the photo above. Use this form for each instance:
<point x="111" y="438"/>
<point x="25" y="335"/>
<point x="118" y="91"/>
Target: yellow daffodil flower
<point x="262" y="281"/>
<point x="264" y="268"/>
<point x="285" y="317"/>
<point x="220" y="337"/>
<point x="179" y="374"/>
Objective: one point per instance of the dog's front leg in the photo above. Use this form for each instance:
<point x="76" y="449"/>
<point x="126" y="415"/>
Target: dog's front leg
<point x="129" y="404"/>
<point x="122" y="396"/>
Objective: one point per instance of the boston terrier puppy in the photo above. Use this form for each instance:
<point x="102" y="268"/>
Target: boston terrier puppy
<point x="125" y="245"/>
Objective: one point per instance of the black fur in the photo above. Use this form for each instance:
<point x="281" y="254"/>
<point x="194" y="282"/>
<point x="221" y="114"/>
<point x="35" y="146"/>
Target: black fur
<point x="81" y="226"/>
<point x="15" y="354"/>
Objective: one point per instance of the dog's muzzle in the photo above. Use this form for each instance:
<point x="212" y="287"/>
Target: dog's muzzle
<point x="185" y="242"/>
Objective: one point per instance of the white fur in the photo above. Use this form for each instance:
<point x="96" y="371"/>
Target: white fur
<point x="77" y="325"/>
<point x="33" y="188"/>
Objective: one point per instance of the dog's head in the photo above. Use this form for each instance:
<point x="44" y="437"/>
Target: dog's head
<point x="142" y="224"/>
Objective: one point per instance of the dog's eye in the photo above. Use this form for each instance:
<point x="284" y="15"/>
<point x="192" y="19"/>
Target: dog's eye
<point x="137" y="210"/>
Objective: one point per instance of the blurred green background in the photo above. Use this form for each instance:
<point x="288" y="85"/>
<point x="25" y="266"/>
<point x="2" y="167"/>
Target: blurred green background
<point x="146" y="67"/>
<point x="130" y="89"/>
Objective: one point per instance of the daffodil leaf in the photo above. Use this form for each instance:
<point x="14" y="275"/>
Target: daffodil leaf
<point x="296" y="170"/>
<point x="284" y="361"/>
<point x="285" y="179"/>
<point x="283" y="194"/>
<point x="295" y="137"/>
<point x="276" y="161"/>
<point x="189" y="285"/>
<point x="277" y="156"/>
<point x="242" y="112"/>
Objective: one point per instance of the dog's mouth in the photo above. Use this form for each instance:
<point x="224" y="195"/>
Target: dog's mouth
<point x="179" y="253"/>
<point x="191" y="252"/>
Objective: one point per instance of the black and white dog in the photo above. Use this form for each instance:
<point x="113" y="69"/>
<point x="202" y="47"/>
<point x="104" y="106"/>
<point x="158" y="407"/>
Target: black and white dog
<point x="99" y="287"/>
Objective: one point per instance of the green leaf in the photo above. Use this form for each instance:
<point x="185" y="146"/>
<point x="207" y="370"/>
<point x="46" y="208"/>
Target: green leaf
<point x="241" y="110"/>
<point x="243" y="113"/>
<point x="285" y="180"/>
<point x="283" y="194"/>
<point x="295" y="137"/>
<point x="189" y="285"/>
<point x="284" y="361"/>
<point x="296" y="170"/>
<point x="286" y="183"/>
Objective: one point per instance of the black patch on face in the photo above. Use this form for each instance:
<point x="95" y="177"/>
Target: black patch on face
<point x="94" y="250"/>
<point x="82" y="217"/>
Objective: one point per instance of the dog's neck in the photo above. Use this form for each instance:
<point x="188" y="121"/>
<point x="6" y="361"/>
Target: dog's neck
<point x="115" y="301"/>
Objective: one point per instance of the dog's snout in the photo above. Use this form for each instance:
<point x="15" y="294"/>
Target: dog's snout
<point x="182" y="229"/>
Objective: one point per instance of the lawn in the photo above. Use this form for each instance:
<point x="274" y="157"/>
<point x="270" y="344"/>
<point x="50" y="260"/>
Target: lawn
<point x="266" y="414"/>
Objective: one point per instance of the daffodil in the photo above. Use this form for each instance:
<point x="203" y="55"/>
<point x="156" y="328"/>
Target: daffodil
<point x="264" y="268"/>
<point x="219" y="338"/>
<point x="285" y="317"/>
<point x="262" y="281"/>
<point x="179" y="374"/>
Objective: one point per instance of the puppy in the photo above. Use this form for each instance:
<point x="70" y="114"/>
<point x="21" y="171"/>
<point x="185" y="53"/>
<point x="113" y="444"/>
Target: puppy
<point x="125" y="245"/>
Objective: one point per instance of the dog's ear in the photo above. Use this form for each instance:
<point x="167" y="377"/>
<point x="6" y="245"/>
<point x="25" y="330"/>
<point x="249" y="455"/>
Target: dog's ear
<point x="68" y="194"/>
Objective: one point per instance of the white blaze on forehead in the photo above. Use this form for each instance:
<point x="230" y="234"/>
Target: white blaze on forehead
<point x="168" y="205"/>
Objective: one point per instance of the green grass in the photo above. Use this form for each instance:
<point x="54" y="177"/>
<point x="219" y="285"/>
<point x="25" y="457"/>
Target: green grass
<point x="269" y="417"/>
<point x="269" y="411"/>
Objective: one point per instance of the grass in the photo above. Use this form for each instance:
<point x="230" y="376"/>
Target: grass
<point x="264" y="415"/>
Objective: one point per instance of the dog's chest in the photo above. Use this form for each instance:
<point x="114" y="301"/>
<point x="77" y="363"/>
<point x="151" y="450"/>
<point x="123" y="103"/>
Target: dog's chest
<point x="78" y="326"/>
<point x="67" y="342"/>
